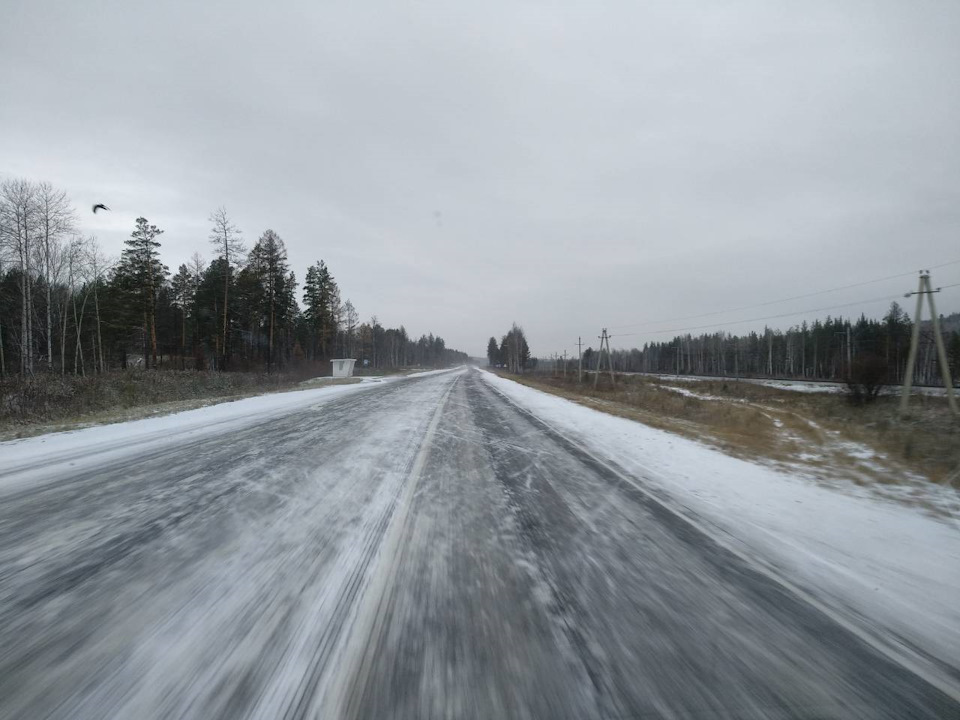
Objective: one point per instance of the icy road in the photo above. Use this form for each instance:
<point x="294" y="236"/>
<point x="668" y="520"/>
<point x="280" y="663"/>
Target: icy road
<point x="414" y="549"/>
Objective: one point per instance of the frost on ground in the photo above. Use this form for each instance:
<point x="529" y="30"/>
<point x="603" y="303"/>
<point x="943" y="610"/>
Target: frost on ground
<point x="30" y="460"/>
<point x="692" y="394"/>
<point x="419" y="548"/>
<point x="204" y="564"/>
<point x="790" y="440"/>
<point x="801" y="386"/>
<point x="892" y="568"/>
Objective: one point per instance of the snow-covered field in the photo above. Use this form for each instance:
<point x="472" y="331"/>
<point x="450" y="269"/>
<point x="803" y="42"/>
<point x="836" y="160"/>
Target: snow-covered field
<point x="892" y="569"/>
<point x="801" y="386"/>
<point x="804" y="386"/>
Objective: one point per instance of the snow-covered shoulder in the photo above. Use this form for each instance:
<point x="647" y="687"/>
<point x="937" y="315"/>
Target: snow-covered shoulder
<point x="32" y="459"/>
<point x="892" y="566"/>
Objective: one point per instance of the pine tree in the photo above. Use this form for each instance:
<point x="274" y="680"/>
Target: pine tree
<point x="321" y="298"/>
<point x="269" y="260"/>
<point x="493" y="352"/>
<point x="953" y="354"/>
<point x="183" y="287"/>
<point x="145" y="274"/>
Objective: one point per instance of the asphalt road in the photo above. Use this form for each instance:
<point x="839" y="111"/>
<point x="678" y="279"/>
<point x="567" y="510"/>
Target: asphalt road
<point x="419" y="549"/>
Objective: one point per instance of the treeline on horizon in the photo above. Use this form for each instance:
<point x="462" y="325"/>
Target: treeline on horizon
<point x="815" y="351"/>
<point x="823" y="350"/>
<point x="66" y="308"/>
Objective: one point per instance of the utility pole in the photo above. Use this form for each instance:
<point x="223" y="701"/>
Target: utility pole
<point x="564" y="363"/>
<point x="604" y="339"/>
<point x="925" y="288"/>
<point x="579" y="359"/>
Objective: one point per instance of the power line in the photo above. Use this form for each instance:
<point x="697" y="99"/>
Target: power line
<point x="886" y="298"/>
<point x="777" y="302"/>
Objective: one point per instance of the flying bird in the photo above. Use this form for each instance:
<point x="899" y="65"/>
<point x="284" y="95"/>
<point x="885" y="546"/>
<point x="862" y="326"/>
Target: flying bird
<point x="99" y="206"/>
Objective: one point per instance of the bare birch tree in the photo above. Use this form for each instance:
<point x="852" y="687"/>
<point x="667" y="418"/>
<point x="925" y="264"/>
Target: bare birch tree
<point x="226" y="238"/>
<point x="78" y="256"/>
<point x="351" y="319"/>
<point x="3" y="265"/>
<point x="97" y="267"/>
<point x="73" y="259"/>
<point x="197" y="267"/>
<point x="54" y="218"/>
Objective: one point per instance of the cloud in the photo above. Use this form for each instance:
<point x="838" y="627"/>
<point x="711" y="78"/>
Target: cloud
<point x="594" y="164"/>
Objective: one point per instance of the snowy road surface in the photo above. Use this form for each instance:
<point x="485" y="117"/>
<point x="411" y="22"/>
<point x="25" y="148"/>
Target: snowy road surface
<point x="414" y="549"/>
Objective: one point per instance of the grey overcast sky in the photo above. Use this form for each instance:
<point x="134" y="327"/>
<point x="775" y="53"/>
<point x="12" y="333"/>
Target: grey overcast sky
<point x="461" y="165"/>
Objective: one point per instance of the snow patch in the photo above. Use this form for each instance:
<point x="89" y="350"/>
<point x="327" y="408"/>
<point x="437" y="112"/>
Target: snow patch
<point x="691" y="393"/>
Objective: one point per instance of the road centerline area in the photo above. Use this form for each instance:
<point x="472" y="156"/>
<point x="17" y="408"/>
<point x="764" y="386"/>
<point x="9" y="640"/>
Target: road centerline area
<point x="356" y="661"/>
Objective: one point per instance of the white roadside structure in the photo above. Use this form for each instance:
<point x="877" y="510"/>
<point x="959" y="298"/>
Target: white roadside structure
<point x="343" y="367"/>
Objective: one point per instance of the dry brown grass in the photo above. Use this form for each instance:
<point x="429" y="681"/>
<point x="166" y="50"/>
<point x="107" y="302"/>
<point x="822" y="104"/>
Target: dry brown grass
<point x="51" y="403"/>
<point x="822" y="434"/>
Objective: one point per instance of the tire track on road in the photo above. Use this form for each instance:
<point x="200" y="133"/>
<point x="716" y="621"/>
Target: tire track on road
<point x="365" y="636"/>
<point x="248" y="572"/>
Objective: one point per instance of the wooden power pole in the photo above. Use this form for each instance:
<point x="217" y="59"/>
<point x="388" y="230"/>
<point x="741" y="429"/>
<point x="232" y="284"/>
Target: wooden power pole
<point x="925" y="288"/>
<point x="579" y="359"/>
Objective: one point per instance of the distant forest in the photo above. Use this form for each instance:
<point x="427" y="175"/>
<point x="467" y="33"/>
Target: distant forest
<point x="66" y="308"/>
<point x="822" y="350"/>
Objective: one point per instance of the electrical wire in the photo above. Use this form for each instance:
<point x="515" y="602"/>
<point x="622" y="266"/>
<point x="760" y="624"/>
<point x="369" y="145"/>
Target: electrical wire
<point x="777" y="302"/>
<point x="886" y="298"/>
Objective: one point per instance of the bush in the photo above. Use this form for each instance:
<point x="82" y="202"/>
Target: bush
<point x="867" y="377"/>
